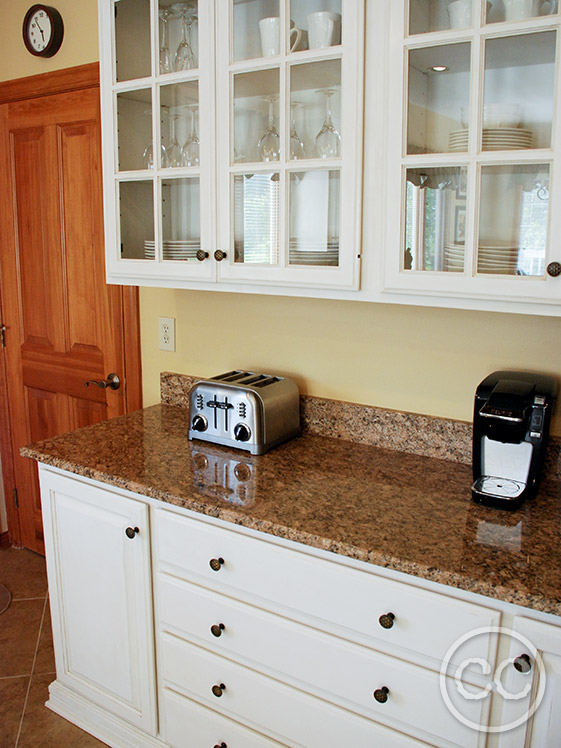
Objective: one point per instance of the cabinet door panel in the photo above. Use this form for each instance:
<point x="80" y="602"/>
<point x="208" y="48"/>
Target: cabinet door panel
<point x="101" y="597"/>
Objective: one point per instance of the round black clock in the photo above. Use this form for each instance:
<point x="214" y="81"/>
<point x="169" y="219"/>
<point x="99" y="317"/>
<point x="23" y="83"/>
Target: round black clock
<point x="43" y="30"/>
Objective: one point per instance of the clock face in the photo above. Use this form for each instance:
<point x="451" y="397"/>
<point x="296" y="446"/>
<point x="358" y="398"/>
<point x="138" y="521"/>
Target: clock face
<point x="43" y="30"/>
<point x="40" y="30"/>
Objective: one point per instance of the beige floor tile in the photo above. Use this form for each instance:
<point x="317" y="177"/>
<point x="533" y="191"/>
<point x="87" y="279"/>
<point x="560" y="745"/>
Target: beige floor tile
<point x="43" y="729"/>
<point x="12" y="700"/>
<point x="45" y="658"/>
<point x="19" y="631"/>
<point x="23" y="573"/>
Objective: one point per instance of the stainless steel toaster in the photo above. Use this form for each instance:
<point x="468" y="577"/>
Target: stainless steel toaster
<point x="245" y="410"/>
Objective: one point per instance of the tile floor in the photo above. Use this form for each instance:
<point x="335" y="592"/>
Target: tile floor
<point x="27" y="662"/>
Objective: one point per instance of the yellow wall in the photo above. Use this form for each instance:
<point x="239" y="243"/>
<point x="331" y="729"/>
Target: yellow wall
<point x="79" y="46"/>
<point x="416" y="359"/>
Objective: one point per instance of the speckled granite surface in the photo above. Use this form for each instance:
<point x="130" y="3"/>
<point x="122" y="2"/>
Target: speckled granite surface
<point x="379" y="427"/>
<point x="401" y="511"/>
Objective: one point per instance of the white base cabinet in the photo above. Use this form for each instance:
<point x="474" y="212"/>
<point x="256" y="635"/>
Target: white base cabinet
<point x="244" y="640"/>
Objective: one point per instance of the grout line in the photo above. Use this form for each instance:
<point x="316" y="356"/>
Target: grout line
<point x="31" y="676"/>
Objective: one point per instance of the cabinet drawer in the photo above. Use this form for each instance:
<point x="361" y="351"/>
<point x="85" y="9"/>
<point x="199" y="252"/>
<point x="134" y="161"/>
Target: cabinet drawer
<point x="330" y="668"/>
<point x="332" y="594"/>
<point x="190" y="725"/>
<point x="285" y="713"/>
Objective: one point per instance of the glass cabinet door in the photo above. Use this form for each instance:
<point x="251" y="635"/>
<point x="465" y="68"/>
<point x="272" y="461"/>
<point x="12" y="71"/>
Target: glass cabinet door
<point x="157" y="75"/>
<point x="289" y="141"/>
<point x="473" y="167"/>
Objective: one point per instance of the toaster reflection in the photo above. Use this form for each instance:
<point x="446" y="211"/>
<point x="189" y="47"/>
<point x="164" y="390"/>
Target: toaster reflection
<point x="223" y="475"/>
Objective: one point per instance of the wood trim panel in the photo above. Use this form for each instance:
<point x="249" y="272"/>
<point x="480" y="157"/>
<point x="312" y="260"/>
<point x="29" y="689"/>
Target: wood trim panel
<point x="58" y="81"/>
<point x="4" y="540"/>
<point x="131" y="336"/>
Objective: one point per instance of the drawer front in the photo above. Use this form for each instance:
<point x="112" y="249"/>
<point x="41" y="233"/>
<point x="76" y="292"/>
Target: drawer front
<point x="330" y="668"/>
<point x="190" y="725"/>
<point x="324" y="590"/>
<point x="286" y="714"/>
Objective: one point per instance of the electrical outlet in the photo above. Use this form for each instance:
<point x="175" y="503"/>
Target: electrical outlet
<point x="166" y="333"/>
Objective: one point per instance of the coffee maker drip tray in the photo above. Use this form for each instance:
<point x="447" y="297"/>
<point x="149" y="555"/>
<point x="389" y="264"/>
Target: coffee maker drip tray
<point x="503" y="488"/>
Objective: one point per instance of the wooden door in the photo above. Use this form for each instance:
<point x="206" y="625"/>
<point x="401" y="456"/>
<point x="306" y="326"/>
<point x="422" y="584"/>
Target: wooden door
<point x="64" y="325"/>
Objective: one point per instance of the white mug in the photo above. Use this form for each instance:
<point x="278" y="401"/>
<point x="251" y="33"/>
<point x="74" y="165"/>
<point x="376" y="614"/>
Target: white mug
<point x="516" y="10"/>
<point x="324" y="29"/>
<point x="269" y="29"/>
<point x="460" y="14"/>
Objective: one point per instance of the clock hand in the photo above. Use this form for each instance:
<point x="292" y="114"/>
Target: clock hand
<point x="40" y="29"/>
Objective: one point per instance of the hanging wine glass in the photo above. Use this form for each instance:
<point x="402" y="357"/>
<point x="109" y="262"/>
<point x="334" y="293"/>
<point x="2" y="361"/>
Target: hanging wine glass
<point x="297" y="149"/>
<point x="148" y="155"/>
<point x="165" y="56"/>
<point x="190" y="152"/>
<point x="185" y="57"/>
<point x="328" y="140"/>
<point x="173" y="149"/>
<point x="268" y="147"/>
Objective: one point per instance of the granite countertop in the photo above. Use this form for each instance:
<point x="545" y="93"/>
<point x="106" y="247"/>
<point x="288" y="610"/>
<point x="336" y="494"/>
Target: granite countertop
<point x="401" y="511"/>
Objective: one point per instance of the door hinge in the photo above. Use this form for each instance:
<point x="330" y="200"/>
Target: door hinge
<point x="3" y="329"/>
<point x="16" y="499"/>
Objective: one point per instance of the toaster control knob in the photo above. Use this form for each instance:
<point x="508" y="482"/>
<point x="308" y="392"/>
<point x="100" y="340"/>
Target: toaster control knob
<point x="199" y="423"/>
<point x="242" y="432"/>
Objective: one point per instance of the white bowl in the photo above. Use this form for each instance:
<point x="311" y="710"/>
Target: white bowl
<point x="501" y="115"/>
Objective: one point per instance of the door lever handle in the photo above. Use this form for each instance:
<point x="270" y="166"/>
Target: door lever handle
<point x="112" y="381"/>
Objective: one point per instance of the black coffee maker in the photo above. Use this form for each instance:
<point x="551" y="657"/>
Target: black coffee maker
<point x="511" y="419"/>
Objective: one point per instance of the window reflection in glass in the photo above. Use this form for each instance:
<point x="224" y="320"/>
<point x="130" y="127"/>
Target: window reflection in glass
<point x="435" y="219"/>
<point x="136" y="210"/>
<point x="256" y="218"/>
<point x="513" y="219"/>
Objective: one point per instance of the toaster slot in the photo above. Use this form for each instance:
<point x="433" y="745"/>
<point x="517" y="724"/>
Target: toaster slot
<point x="231" y="376"/>
<point x="266" y="381"/>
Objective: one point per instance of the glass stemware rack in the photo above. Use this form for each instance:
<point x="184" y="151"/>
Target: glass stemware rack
<point x="232" y="136"/>
<point x="471" y="174"/>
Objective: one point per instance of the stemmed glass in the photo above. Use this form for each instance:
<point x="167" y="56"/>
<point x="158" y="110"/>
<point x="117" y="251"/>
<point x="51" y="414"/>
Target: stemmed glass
<point x="297" y="149"/>
<point x="190" y="153"/>
<point x="173" y="150"/>
<point x="328" y="140"/>
<point x="148" y="155"/>
<point x="185" y="57"/>
<point x="165" y="56"/>
<point x="268" y="147"/>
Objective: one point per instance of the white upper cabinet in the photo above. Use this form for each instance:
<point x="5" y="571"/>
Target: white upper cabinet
<point x="471" y="174"/>
<point x="232" y="140"/>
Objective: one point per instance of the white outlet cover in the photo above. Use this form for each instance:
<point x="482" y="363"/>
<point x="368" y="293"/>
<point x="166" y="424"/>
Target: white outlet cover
<point x="166" y="333"/>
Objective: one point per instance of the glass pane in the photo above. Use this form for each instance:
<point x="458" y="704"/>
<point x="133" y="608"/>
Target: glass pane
<point x="178" y="36"/>
<point x="136" y="210"/>
<point x="513" y="219"/>
<point x="179" y="124"/>
<point x="256" y="116"/>
<point x="315" y="200"/>
<point x="520" y="10"/>
<point x="132" y="39"/>
<point x="435" y="219"/>
<point x="256" y="218"/>
<point x="134" y="130"/>
<point x="315" y="116"/>
<point x="256" y="29"/>
<point x="519" y="90"/>
<point x="181" y="219"/>
<point x="317" y="24"/>
<point x="438" y="106"/>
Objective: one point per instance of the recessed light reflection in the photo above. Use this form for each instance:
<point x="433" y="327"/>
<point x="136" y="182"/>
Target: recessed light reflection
<point x="439" y="68"/>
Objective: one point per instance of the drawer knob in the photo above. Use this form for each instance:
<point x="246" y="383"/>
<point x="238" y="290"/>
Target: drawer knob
<point x="219" y="255"/>
<point x="523" y="663"/>
<point x="381" y="694"/>
<point x="216" y="563"/>
<point x="217" y="629"/>
<point x="218" y="690"/>
<point x="387" y="620"/>
<point x="130" y="532"/>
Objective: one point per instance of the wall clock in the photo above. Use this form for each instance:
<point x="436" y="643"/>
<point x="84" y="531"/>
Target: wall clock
<point x="43" y="30"/>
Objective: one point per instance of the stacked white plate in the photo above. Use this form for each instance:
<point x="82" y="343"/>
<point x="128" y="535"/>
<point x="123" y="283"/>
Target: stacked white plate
<point x="173" y="250"/>
<point x="497" y="260"/>
<point x="454" y="258"/>
<point x="494" y="139"/>
<point x="313" y="253"/>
